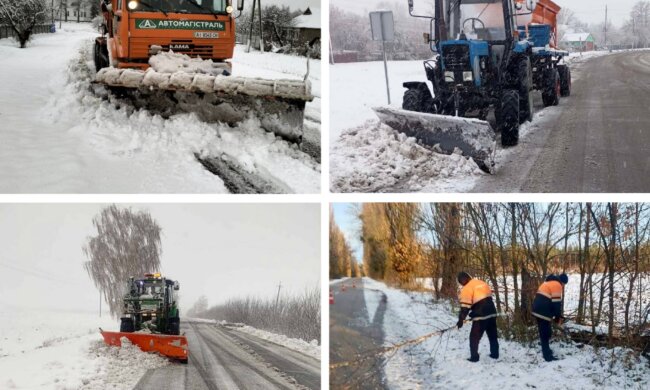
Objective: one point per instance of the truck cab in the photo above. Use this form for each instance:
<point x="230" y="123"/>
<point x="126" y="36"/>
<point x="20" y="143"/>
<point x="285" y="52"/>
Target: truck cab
<point x="134" y="30"/>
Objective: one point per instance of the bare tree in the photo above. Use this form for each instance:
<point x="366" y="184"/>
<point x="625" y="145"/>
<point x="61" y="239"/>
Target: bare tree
<point x="199" y="307"/>
<point x="22" y="16"/>
<point x="127" y="244"/>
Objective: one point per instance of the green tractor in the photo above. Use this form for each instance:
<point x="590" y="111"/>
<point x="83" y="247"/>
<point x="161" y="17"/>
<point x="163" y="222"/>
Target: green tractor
<point x="151" y="305"/>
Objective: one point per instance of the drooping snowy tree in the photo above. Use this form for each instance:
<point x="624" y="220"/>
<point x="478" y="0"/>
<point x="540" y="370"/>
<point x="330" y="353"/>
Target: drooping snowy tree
<point x="23" y="16"/>
<point x="127" y="244"/>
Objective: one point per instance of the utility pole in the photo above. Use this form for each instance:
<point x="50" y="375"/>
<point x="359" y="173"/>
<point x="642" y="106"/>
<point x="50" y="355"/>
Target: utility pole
<point x="259" y="6"/>
<point x="605" y="25"/>
<point x="277" y="299"/>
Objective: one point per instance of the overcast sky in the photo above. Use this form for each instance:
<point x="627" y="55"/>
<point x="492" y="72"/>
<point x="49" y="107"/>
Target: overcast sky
<point x="220" y="250"/>
<point x="293" y="4"/>
<point x="591" y="11"/>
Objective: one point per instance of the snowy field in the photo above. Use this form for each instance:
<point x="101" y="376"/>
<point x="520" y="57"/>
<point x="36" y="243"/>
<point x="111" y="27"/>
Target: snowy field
<point x="366" y="156"/>
<point x="44" y="349"/>
<point x="440" y="362"/>
<point x="59" y="137"/>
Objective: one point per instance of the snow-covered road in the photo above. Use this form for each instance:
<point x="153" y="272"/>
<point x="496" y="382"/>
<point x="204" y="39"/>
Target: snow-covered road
<point x="222" y="358"/>
<point x="58" y="137"/>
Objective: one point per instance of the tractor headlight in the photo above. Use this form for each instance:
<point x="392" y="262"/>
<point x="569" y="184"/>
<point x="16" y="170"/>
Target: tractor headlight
<point x="449" y="76"/>
<point x="133" y="4"/>
<point x="229" y="9"/>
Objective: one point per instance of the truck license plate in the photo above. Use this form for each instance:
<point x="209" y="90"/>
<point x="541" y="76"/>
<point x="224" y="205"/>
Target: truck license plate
<point x="200" y="34"/>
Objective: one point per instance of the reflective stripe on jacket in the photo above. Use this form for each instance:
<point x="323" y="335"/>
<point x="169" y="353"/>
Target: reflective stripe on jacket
<point x="476" y="295"/>
<point x="548" y="300"/>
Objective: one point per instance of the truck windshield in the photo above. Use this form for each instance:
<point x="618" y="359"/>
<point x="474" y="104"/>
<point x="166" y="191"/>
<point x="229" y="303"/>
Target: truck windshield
<point x="478" y="19"/>
<point x="182" y="6"/>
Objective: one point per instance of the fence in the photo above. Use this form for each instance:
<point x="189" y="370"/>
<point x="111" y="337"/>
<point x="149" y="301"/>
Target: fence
<point x="8" y="32"/>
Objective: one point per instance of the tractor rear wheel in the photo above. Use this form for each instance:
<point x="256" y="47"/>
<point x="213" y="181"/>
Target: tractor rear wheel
<point x="551" y="92"/>
<point x="525" y="83"/>
<point x="174" y="326"/>
<point x="126" y="325"/>
<point x="507" y="116"/>
<point x="565" y="80"/>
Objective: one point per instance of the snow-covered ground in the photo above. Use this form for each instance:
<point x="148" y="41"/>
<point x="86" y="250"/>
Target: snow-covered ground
<point x="45" y="349"/>
<point x="366" y="156"/>
<point x="440" y="362"/>
<point x="59" y="137"/>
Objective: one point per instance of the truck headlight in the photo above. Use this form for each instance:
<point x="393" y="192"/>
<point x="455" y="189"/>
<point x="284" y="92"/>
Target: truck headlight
<point x="133" y="4"/>
<point x="229" y="9"/>
<point x="467" y="76"/>
<point x="449" y="76"/>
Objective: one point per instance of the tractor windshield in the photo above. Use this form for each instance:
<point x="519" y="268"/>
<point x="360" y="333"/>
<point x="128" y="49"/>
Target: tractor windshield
<point x="478" y="19"/>
<point x="182" y="6"/>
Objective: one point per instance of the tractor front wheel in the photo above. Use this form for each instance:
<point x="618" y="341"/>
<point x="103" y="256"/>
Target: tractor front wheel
<point x="551" y="92"/>
<point x="174" y="326"/>
<point x="507" y="116"/>
<point x="126" y="325"/>
<point x="525" y="82"/>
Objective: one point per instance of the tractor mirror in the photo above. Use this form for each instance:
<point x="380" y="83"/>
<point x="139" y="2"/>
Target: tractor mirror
<point x="240" y="5"/>
<point x="411" y="5"/>
<point x="177" y="286"/>
<point x="427" y="37"/>
<point x="531" y="5"/>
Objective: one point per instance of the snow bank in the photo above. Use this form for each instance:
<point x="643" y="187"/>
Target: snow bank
<point x="337" y="281"/>
<point x="308" y="348"/>
<point x="47" y="349"/>
<point x="440" y="362"/>
<point x="376" y="158"/>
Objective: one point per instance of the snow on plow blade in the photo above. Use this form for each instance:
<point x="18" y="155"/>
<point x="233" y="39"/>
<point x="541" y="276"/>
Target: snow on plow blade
<point x="167" y="345"/>
<point x="475" y="138"/>
<point x="279" y="104"/>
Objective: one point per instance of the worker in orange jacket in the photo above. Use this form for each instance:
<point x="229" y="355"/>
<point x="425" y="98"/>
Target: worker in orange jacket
<point x="547" y="307"/>
<point x="476" y="301"/>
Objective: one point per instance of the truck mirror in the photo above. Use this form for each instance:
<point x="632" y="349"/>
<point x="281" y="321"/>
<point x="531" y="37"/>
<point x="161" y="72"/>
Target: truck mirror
<point x="427" y="37"/>
<point x="410" y="5"/>
<point x="531" y="5"/>
<point x="240" y="5"/>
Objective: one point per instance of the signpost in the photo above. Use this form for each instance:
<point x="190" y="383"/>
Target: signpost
<point x="383" y="29"/>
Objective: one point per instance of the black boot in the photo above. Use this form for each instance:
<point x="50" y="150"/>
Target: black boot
<point x="473" y="359"/>
<point x="494" y="356"/>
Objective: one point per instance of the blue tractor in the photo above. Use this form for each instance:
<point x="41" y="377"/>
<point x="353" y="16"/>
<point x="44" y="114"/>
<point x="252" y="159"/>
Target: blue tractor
<point x="483" y="60"/>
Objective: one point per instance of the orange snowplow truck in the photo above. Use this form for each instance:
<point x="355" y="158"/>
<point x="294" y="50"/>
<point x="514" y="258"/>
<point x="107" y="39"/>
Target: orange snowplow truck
<point x="134" y="30"/>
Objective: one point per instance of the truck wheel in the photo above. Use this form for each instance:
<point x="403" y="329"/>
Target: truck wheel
<point x="565" y="80"/>
<point x="507" y="116"/>
<point x="126" y="325"/>
<point x="100" y="56"/>
<point x="551" y="92"/>
<point x="175" y="326"/>
<point x="525" y="82"/>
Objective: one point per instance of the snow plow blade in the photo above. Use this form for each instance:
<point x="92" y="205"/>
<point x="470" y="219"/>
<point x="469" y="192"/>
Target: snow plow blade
<point x="174" y="347"/>
<point x="474" y="137"/>
<point x="279" y="104"/>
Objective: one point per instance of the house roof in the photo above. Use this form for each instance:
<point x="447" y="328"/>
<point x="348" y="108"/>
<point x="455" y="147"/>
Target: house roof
<point x="309" y="19"/>
<point x="577" y="37"/>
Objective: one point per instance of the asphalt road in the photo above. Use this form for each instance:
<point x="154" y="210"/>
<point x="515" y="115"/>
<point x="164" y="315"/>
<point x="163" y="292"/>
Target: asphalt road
<point x="597" y="140"/>
<point x="353" y="333"/>
<point x="222" y="358"/>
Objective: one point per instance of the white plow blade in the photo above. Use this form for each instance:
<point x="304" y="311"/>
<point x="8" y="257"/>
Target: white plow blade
<point x="474" y="137"/>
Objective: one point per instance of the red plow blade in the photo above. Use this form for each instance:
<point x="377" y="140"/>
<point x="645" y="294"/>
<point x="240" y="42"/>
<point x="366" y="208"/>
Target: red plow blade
<point x="167" y="345"/>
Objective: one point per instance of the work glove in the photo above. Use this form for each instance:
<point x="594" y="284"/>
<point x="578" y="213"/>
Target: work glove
<point x="459" y="324"/>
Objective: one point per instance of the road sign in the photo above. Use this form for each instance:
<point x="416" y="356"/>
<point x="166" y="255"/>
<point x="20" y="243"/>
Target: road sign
<point x="383" y="29"/>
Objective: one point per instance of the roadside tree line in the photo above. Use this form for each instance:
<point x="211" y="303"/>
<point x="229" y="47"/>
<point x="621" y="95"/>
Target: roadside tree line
<point x="604" y="246"/>
<point x="342" y="260"/>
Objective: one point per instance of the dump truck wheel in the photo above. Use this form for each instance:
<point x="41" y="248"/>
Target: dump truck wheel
<point x="551" y="92"/>
<point x="525" y="82"/>
<point x="565" y="80"/>
<point x="507" y="115"/>
<point x="126" y="325"/>
<point x="100" y="54"/>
